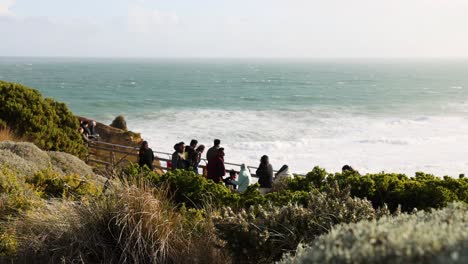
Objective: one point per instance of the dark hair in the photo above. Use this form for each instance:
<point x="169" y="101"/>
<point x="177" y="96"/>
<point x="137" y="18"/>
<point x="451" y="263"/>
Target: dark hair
<point x="347" y="168"/>
<point x="264" y="159"/>
<point x="176" y="146"/>
<point x="193" y="142"/>
<point x="217" y="142"/>
<point x="200" y="147"/>
<point x="142" y="147"/>
<point x="232" y="172"/>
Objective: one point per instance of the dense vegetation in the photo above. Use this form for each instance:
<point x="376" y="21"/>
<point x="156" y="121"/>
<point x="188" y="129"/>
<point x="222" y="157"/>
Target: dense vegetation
<point x="439" y="236"/>
<point x="147" y="218"/>
<point x="44" y="121"/>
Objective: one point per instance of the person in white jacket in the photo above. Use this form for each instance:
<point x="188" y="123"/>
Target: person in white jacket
<point x="244" y="179"/>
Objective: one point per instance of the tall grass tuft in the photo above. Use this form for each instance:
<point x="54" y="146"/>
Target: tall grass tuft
<point x="7" y="135"/>
<point x="134" y="224"/>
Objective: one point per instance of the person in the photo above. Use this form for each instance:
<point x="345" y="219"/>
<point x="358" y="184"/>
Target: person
<point x="244" y="179"/>
<point x="178" y="159"/>
<point x="92" y="126"/>
<point x="213" y="150"/>
<point x="84" y="136"/>
<point x="190" y="151"/>
<point x="196" y="159"/>
<point x="216" y="169"/>
<point x="85" y="126"/>
<point x="347" y="168"/>
<point x="146" y="156"/>
<point x="283" y="173"/>
<point x="231" y="182"/>
<point x="265" y="175"/>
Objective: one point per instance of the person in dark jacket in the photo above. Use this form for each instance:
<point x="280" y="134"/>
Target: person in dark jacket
<point x="196" y="158"/>
<point x="231" y="182"/>
<point x="216" y="169"/>
<point x="146" y="156"/>
<point x="213" y="150"/>
<point x="265" y="175"/>
<point x="190" y="151"/>
<point x="178" y="159"/>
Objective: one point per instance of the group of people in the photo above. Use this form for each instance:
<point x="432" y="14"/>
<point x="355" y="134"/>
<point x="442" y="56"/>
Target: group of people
<point x="87" y="131"/>
<point x="188" y="157"/>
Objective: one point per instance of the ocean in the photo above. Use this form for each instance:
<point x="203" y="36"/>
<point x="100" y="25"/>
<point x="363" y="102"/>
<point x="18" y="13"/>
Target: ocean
<point x="375" y="115"/>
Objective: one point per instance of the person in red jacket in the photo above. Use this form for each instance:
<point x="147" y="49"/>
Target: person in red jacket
<point x="215" y="167"/>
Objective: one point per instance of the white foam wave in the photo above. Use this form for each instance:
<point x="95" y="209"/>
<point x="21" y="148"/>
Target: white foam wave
<point x="303" y="139"/>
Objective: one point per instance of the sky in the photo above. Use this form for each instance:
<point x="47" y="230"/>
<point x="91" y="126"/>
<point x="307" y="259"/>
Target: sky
<point x="235" y="28"/>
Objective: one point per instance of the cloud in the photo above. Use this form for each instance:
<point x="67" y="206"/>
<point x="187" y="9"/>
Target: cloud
<point x="5" y="6"/>
<point x="145" y="20"/>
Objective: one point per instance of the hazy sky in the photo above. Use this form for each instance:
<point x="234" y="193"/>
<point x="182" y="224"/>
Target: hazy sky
<point x="234" y="28"/>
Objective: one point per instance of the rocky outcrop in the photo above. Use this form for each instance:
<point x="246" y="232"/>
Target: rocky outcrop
<point x="26" y="158"/>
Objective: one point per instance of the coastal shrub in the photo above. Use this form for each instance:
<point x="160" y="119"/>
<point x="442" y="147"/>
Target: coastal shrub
<point x="8" y="244"/>
<point x="189" y="188"/>
<point x="439" y="236"/>
<point x="424" y="191"/>
<point x="262" y="234"/>
<point x="15" y="194"/>
<point x="50" y="184"/>
<point x="119" y="122"/>
<point x="47" y="123"/>
<point x="132" y="224"/>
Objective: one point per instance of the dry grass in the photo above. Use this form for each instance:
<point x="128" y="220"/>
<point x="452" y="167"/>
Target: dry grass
<point x="134" y="224"/>
<point x="7" y="135"/>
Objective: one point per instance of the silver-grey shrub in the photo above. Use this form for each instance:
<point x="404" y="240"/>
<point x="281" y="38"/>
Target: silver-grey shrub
<point x="26" y="158"/>
<point x="264" y="234"/>
<point x="440" y="236"/>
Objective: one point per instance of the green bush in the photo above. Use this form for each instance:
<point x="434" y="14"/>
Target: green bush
<point x="15" y="194"/>
<point x="50" y="184"/>
<point x="262" y="234"/>
<point x="186" y="187"/>
<point x="119" y="122"/>
<point x="47" y="123"/>
<point x="440" y="236"/>
<point x="424" y="191"/>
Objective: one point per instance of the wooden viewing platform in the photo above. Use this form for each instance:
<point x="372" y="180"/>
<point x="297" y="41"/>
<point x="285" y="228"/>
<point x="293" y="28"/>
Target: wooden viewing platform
<point x="109" y="154"/>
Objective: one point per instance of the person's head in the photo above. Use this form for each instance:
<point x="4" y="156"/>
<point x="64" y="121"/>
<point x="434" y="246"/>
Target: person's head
<point x="243" y="167"/>
<point x="217" y="142"/>
<point x="193" y="143"/>
<point x="144" y="145"/>
<point x="221" y="152"/>
<point x="201" y="148"/>
<point x="232" y="174"/>
<point x="81" y="130"/>
<point x="181" y="147"/>
<point x="265" y="160"/>
<point x="85" y="123"/>
<point x="93" y="123"/>
<point x="347" y="168"/>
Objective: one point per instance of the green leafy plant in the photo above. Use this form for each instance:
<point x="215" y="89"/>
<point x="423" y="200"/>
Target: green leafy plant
<point x="47" y="123"/>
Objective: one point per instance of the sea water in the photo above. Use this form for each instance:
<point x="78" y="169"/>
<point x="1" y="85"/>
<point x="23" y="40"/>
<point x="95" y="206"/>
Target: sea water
<point x="375" y="115"/>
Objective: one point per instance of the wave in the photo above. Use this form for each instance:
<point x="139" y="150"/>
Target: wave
<point x="306" y="138"/>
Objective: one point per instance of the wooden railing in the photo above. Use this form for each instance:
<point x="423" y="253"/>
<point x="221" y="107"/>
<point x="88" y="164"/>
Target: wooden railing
<point x="117" y="154"/>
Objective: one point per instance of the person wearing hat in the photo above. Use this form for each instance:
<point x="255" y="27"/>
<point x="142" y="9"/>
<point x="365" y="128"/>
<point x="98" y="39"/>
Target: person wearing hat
<point x="216" y="169"/>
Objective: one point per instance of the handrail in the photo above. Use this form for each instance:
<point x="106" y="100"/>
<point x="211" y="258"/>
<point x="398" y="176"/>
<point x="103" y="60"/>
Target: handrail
<point x="96" y="143"/>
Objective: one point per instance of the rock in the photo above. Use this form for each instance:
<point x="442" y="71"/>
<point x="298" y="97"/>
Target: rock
<point x="27" y="158"/>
